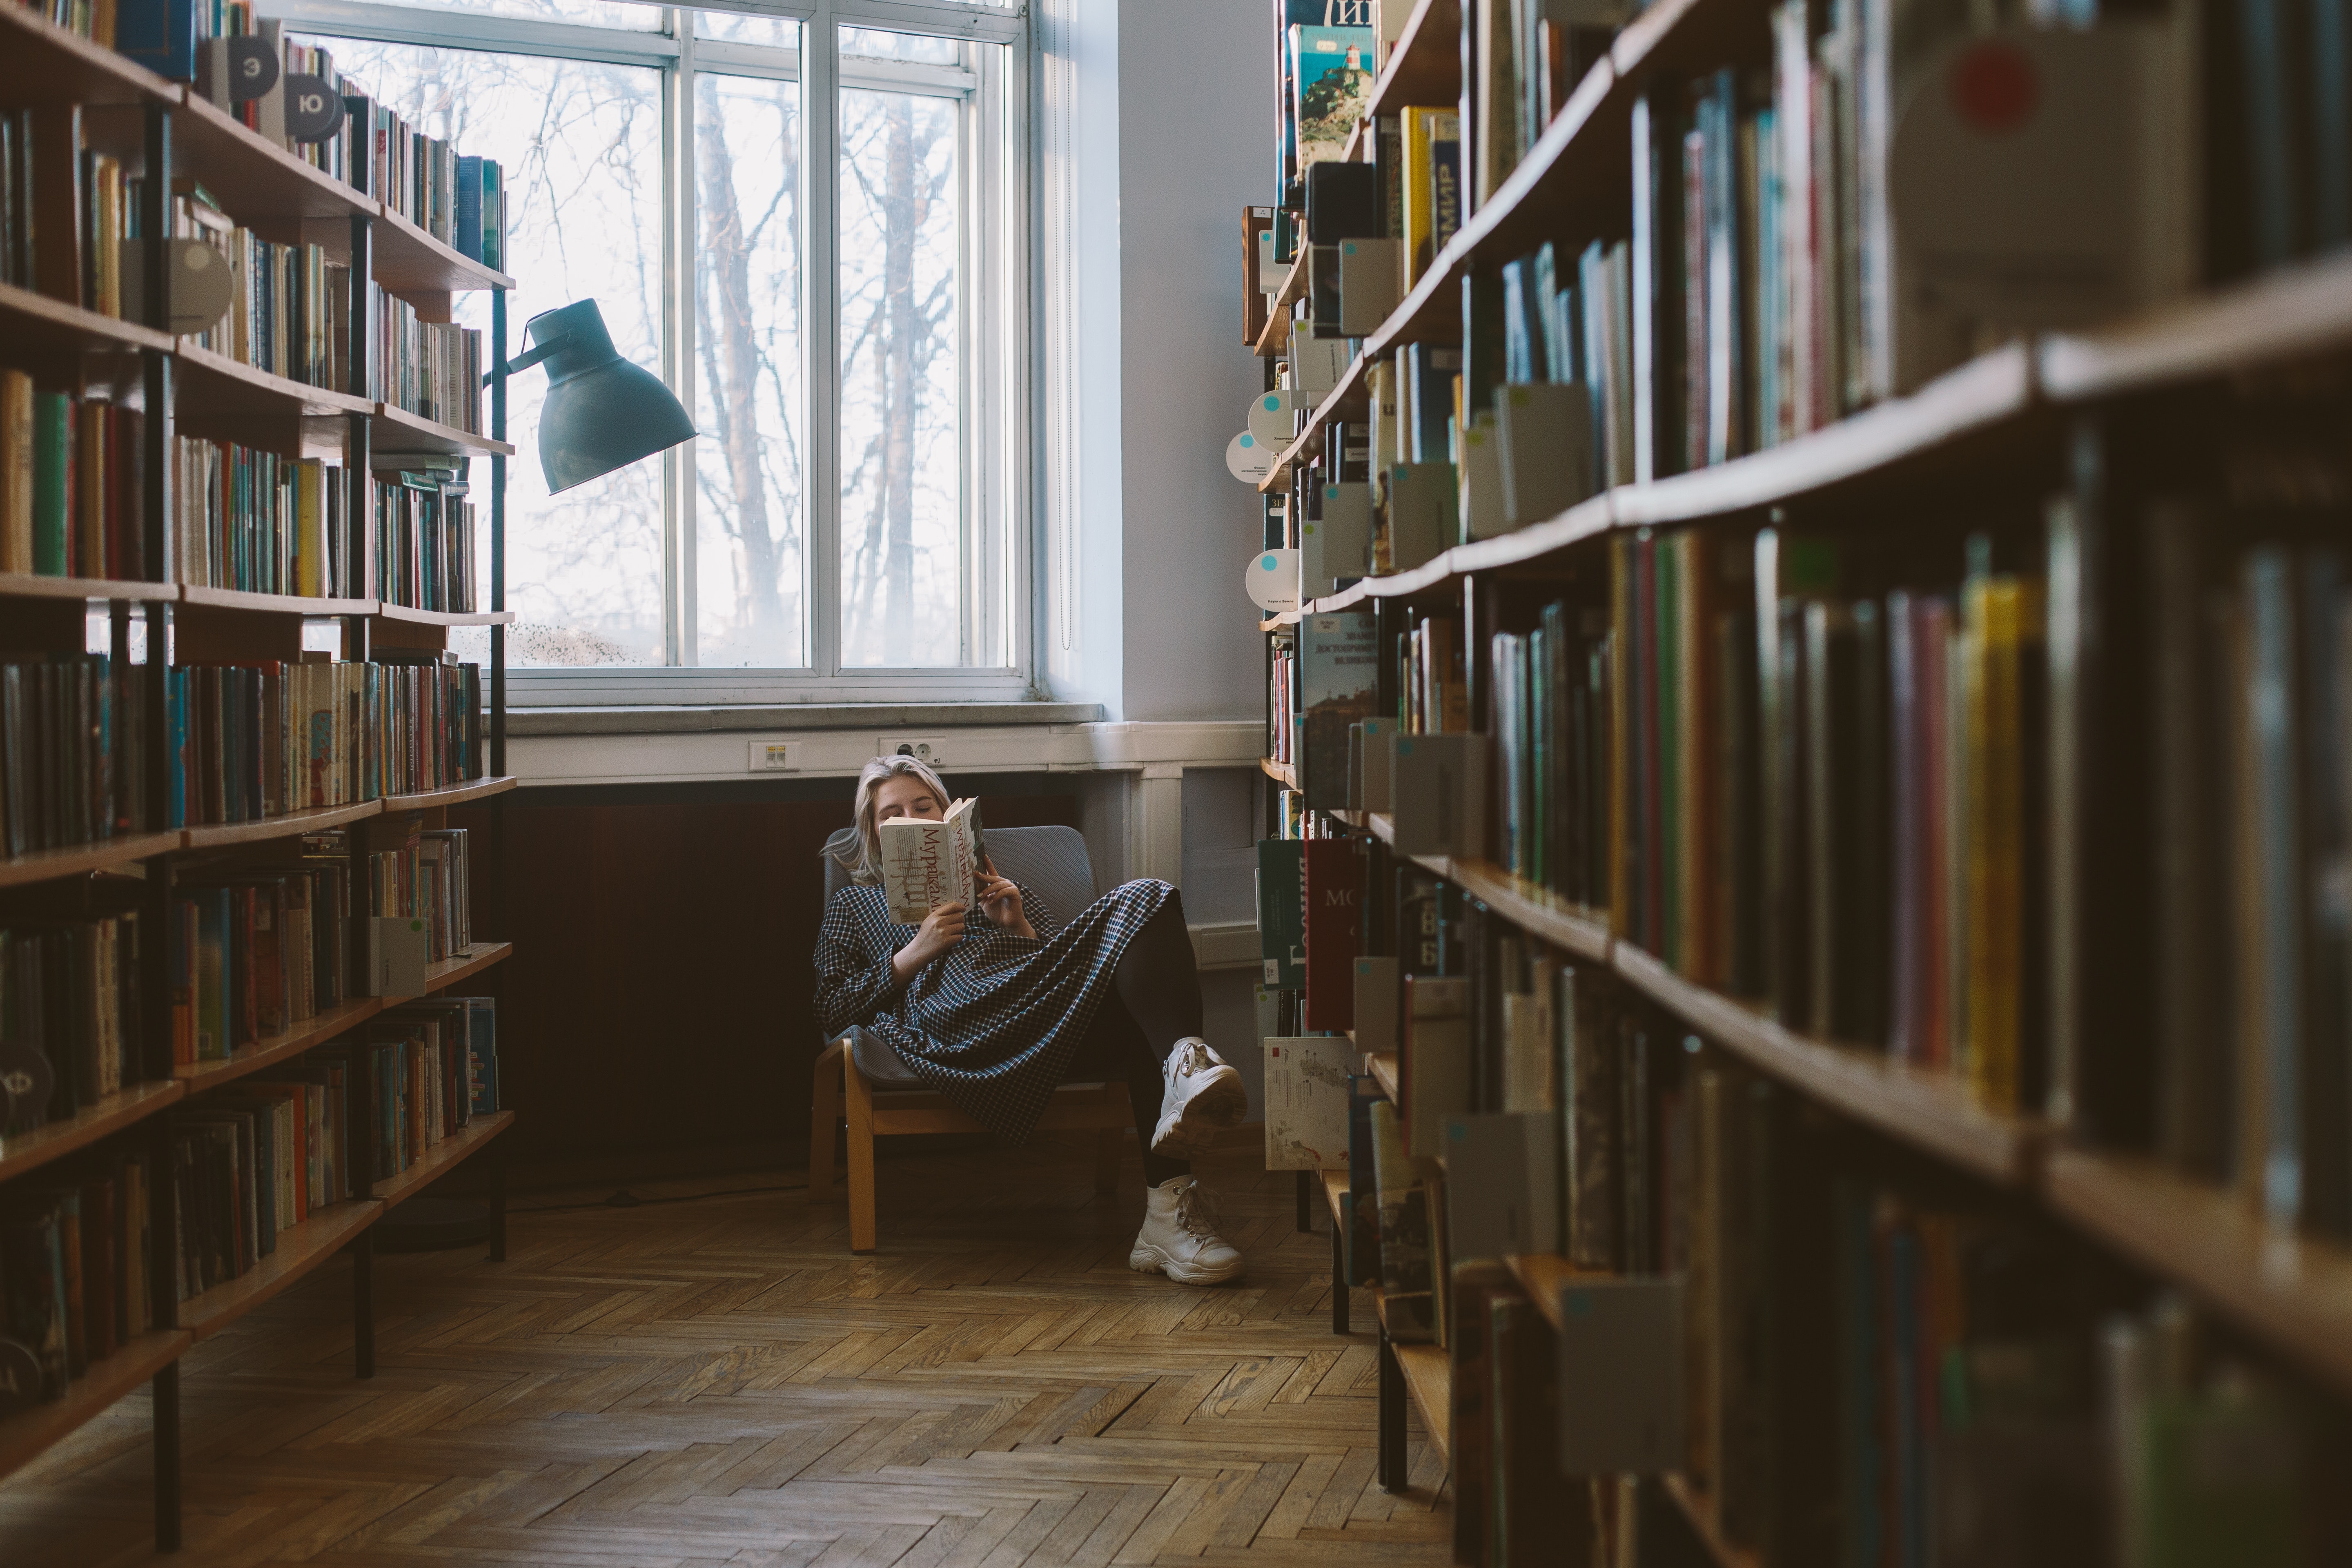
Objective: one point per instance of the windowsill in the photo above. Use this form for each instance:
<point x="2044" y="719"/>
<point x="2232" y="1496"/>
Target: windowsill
<point x="673" y="719"/>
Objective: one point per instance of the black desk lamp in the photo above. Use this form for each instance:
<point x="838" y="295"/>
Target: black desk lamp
<point x="602" y="413"/>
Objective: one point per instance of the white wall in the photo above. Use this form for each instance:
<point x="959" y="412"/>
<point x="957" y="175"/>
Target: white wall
<point x="1165" y="137"/>
<point x="1196" y="108"/>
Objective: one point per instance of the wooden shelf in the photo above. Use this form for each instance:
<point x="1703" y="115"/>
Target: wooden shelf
<point x="253" y="179"/>
<point x="2290" y="1290"/>
<point x="466" y="965"/>
<point x="1927" y="1108"/>
<point x="274" y="604"/>
<point x="1699" y="1510"/>
<point x="405" y="432"/>
<point x="1429" y="1379"/>
<point x="221" y="835"/>
<point x="456" y="795"/>
<point x="1978" y="399"/>
<point x="299" y="1249"/>
<point x="28" y="1151"/>
<point x="1383" y="1065"/>
<point x="1542" y="1275"/>
<point x="219" y="384"/>
<point x="1282" y="773"/>
<point x="1536" y="910"/>
<point x="1424" y="65"/>
<point x="33" y="585"/>
<point x="410" y="262"/>
<point x="389" y="611"/>
<point x="1275" y="337"/>
<point x="440" y="1158"/>
<point x="75" y="860"/>
<point x="27" y="1434"/>
<point x="43" y="63"/>
<point x="1335" y="1190"/>
<point x="41" y="324"/>
<point x="2278" y="318"/>
<point x="283" y="1046"/>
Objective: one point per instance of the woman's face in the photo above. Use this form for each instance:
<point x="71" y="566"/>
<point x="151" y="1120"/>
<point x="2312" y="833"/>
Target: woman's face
<point x="901" y="795"/>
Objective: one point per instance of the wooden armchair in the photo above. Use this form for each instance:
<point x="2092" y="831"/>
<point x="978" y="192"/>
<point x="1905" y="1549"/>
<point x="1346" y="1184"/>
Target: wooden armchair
<point x="861" y="1083"/>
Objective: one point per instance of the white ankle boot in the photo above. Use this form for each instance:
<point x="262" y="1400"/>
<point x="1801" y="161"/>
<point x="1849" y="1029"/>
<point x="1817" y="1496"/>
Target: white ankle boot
<point x="1178" y="1238"/>
<point x="1201" y="1093"/>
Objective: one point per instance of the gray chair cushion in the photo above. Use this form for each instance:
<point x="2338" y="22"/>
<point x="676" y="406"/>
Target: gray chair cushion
<point x="1051" y="862"/>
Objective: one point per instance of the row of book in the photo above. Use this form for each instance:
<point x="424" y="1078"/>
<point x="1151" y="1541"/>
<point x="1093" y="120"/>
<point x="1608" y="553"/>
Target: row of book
<point x="289" y="306"/>
<point x="239" y="1168"/>
<point x="73" y="744"/>
<point x="71" y="483"/>
<point x="427" y="550"/>
<point x="71" y="1014"/>
<point x="458" y="200"/>
<point x="427" y="878"/>
<point x="432" y="369"/>
<point x="254" y="742"/>
<point x="248" y="518"/>
<point x="1854" y="1360"/>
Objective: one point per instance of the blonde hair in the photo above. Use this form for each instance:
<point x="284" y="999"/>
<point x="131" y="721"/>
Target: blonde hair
<point x="859" y="847"/>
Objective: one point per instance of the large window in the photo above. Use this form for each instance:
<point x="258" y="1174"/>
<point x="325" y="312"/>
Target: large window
<point x="809" y="224"/>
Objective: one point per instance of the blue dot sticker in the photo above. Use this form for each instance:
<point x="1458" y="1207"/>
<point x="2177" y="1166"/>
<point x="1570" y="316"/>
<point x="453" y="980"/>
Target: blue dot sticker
<point x="1330" y="492"/>
<point x="1274" y="403"/>
<point x="1349" y="249"/>
<point x="1265" y="563"/>
<point x="1249" y="441"/>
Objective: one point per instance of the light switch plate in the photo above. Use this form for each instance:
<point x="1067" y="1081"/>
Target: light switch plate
<point x="774" y="756"/>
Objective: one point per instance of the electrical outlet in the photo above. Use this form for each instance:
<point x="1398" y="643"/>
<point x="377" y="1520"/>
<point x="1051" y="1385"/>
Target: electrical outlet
<point x="774" y="756"/>
<point x="926" y="752"/>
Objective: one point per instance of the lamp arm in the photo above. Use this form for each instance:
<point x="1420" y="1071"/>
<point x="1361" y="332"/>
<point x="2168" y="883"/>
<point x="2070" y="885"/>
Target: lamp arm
<point x="529" y="357"/>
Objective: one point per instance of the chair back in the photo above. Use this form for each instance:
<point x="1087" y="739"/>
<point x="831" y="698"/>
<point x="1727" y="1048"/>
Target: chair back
<point x="1051" y="861"/>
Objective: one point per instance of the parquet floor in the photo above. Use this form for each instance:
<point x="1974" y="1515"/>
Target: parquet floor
<point x="722" y="1380"/>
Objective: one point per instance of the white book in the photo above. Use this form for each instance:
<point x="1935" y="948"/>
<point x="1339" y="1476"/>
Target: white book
<point x="1307" y="1102"/>
<point x="927" y="863"/>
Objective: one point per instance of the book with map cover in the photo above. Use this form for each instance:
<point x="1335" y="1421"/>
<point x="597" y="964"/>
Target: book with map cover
<point x="927" y="863"/>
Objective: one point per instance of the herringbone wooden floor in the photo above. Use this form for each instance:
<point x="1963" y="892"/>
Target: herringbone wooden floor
<point x="722" y="1380"/>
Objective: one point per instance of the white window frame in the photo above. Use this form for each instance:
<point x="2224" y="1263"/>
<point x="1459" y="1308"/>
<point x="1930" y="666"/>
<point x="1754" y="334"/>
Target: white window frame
<point x="995" y="262"/>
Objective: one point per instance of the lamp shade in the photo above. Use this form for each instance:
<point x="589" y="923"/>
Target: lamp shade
<point x="602" y="413"/>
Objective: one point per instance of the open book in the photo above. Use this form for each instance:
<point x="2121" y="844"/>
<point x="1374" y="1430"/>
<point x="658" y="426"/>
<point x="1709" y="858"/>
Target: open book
<point x="925" y="863"/>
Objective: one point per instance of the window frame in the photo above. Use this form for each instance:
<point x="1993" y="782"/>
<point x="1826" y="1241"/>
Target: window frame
<point x="994" y="264"/>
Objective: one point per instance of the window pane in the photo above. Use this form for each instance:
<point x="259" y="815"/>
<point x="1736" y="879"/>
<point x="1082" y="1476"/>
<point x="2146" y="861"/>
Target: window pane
<point x="587" y="13"/>
<point x="750" y="515"/>
<point x="901" y="467"/>
<point x="875" y="44"/>
<point x="736" y="27"/>
<point x="580" y="147"/>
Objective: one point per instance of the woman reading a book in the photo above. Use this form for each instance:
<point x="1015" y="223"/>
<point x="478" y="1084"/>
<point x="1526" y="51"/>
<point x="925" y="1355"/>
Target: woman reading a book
<point x="997" y="1007"/>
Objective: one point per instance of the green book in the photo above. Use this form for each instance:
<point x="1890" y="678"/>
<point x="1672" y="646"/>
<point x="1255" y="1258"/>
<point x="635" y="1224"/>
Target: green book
<point x="52" y="480"/>
<point x="1282" y="911"/>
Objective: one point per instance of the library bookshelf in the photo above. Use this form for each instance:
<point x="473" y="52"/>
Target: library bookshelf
<point x="2077" y="439"/>
<point x="147" y="625"/>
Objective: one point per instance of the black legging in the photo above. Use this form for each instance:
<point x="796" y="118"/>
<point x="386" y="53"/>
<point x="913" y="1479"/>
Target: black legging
<point x="1156" y="1003"/>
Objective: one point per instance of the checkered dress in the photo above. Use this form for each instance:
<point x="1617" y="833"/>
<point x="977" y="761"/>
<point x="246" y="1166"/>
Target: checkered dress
<point x="992" y="1023"/>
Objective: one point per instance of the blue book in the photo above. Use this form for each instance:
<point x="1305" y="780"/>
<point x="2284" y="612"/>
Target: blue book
<point x="467" y="231"/>
<point x="175" y="691"/>
<point x="482" y="1054"/>
<point x="160" y="34"/>
<point x="494" y="216"/>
